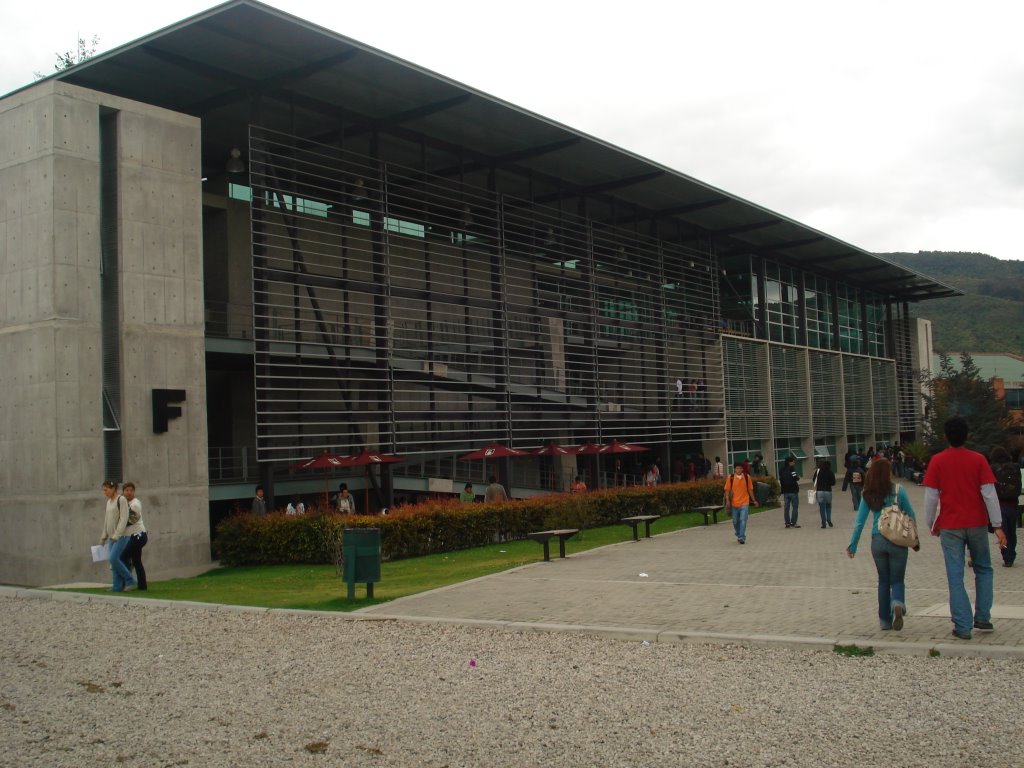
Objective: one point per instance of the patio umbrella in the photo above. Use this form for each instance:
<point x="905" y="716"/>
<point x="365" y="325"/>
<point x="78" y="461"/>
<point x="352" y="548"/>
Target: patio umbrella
<point x="324" y="461"/>
<point x="492" y="451"/>
<point x="365" y="459"/>
<point x="616" y="447"/>
<point x="553" y="449"/>
<point x="590" y="449"/>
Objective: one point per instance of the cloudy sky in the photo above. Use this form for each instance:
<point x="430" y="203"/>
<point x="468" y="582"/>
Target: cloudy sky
<point x="896" y="126"/>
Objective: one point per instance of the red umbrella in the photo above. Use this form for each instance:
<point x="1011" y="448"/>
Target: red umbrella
<point x="616" y="447"/>
<point x="366" y="458"/>
<point x="492" y="451"/>
<point x="324" y="461"/>
<point x="590" y="449"/>
<point x="553" y="449"/>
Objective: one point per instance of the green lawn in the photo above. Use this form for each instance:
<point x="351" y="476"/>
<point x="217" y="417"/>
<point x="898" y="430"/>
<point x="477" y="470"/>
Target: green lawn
<point x="317" y="587"/>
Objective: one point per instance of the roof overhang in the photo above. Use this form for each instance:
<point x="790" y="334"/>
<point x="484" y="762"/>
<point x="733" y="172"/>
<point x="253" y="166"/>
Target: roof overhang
<point x="243" y="62"/>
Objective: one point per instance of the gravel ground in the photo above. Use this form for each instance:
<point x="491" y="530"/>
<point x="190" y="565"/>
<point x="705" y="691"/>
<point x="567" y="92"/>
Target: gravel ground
<point x="99" y="684"/>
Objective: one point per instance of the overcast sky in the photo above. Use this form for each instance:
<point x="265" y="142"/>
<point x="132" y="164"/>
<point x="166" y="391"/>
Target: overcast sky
<point x="896" y="126"/>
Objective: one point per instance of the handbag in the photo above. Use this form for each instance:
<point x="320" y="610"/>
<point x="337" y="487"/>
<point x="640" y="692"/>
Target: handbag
<point x="810" y="496"/>
<point x="897" y="526"/>
<point x="100" y="552"/>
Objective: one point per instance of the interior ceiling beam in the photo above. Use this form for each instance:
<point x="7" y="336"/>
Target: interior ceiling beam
<point x="500" y="161"/>
<point x="283" y="80"/>
<point x="424" y="110"/>
<point x="199" y="68"/>
<point x="743" y="228"/>
<point x="798" y="243"/>
<point x="602" y="188"/>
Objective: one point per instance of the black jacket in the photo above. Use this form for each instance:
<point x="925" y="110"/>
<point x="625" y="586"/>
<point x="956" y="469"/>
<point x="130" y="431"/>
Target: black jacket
<point x="788" y="479"/>
<point x="824" y="479"/>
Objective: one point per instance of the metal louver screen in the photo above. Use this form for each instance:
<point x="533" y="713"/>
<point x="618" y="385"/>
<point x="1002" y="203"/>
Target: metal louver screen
<point x="883" y="385"/>
<point x="857" y="390"/>
<point x="401" y="310"/>
<point x="747" y="405"/>
<point x="790" y="402"/>
<point x="826" y="393"/>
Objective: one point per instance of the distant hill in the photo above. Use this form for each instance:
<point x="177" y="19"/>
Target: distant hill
<point x="988" y="318"/>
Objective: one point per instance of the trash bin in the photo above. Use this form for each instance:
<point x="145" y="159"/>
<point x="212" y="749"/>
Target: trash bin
<point x="761" y="493"/>
<point x="360" y="554"/>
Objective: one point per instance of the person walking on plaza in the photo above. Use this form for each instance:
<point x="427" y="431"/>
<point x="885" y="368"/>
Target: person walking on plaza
<point x="789" y="480"/>
<point x="135" y="531"/>
<point x="739" y="495"/>
<point x="890" y="559"/>
<point x="962" y="482"/>
<point x="495" y="491"/>
<point x="1008" y="488"/>
<point x="824" y="479"/>
<point x="854" y="480"/>
<point x="115" y="520"/>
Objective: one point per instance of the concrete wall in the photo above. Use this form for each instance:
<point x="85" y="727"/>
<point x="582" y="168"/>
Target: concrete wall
<point x="51" y="439"/>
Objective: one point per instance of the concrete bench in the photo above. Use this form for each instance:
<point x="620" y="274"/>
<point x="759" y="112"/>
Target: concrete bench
<point x="634" y="523"/>
<point x="545" y="536"/>
<point x="711" y="510"/>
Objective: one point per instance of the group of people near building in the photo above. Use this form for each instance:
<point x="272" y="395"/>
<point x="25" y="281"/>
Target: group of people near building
<point x="966" y="497"/>
<point x="125" y="535"/>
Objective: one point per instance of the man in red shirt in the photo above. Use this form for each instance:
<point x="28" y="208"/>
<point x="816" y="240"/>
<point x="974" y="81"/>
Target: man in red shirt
<point x="962" y="481"/>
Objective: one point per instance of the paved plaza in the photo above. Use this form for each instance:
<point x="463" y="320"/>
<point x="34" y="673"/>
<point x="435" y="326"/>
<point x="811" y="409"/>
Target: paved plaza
<point x="784" y="586"/>
<point x="787" y="587"/>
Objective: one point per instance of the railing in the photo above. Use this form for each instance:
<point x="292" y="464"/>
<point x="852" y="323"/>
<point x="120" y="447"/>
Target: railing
<point x="225" y="320"/>
<point x="232" y="465"/>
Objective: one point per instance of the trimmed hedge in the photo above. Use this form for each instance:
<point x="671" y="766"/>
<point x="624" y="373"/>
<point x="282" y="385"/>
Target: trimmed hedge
<point x="444" y="526"/>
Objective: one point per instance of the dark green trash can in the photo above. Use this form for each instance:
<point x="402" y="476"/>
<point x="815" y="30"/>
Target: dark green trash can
<point x="360" y="554"/>
<point x="761" y="492"/>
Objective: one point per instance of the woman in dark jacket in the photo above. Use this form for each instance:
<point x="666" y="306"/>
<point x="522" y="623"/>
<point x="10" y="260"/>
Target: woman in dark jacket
<point x="1008" y="488"/>
<point x="824" y="479"/>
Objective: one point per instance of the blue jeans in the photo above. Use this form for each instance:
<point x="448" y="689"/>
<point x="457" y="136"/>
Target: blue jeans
<point x="891" y="564"/>
<point x="739" y="521"/>
<point x="790" y="500"/>
<point x="122" y="576"/>
<point x="954" y="542"/>
<point x="825" y="506"/>
<point x="855" y="492"/>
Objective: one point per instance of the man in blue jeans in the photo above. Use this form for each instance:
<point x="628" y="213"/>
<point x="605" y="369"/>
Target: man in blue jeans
<point x="789" y="480"/>
<point x="963" y="482"/>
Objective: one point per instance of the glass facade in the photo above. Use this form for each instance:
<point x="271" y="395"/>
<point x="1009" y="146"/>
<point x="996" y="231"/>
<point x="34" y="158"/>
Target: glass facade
<point x="818" y="302"/>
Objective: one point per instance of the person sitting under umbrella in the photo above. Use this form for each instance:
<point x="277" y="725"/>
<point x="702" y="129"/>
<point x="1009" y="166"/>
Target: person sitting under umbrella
<point x="346" y="501"/>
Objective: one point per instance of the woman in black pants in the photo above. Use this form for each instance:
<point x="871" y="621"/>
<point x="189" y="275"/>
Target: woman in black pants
<point x="132" y="555"/>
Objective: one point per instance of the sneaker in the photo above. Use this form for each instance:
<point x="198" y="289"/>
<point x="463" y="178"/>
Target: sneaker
<point x="788" y="525"/>
<point x="795" y="525"/>
<point x="961" y="635"/>
<point x="742" y="541"/>
<point x="897" y="617"/>
<point x="985" y="625"/>
<point x="829" y="523"/>
<point x="822" y="525"/>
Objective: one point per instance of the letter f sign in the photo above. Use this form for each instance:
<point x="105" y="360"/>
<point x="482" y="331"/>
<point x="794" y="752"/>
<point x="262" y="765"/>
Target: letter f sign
<point x="162" y="408"/>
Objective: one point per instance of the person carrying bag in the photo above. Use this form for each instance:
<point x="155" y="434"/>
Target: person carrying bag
<point x="882" y="498"/>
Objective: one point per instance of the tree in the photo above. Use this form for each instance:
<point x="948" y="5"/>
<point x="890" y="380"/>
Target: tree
<point x="962" y="392"/>
<point x="69" y="59"/>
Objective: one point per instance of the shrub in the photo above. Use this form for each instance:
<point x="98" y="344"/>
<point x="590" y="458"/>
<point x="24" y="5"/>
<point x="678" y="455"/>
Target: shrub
<point x="447" y="525"/>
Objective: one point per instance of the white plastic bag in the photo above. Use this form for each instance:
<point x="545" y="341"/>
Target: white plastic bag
<point x="811" y="497"/>
<point x="100" y="552"/>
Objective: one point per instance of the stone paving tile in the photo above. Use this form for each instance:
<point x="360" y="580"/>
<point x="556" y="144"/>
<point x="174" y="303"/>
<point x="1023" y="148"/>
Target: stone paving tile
<point x="783" y="583"/>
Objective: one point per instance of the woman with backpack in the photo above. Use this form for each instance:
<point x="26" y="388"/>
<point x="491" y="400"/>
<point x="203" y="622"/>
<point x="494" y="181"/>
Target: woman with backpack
<point x="1008" y="488"/>
<point x="890" y="559"/>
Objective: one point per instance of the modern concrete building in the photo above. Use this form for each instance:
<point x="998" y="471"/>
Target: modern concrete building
<point x="244" y="239"/>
